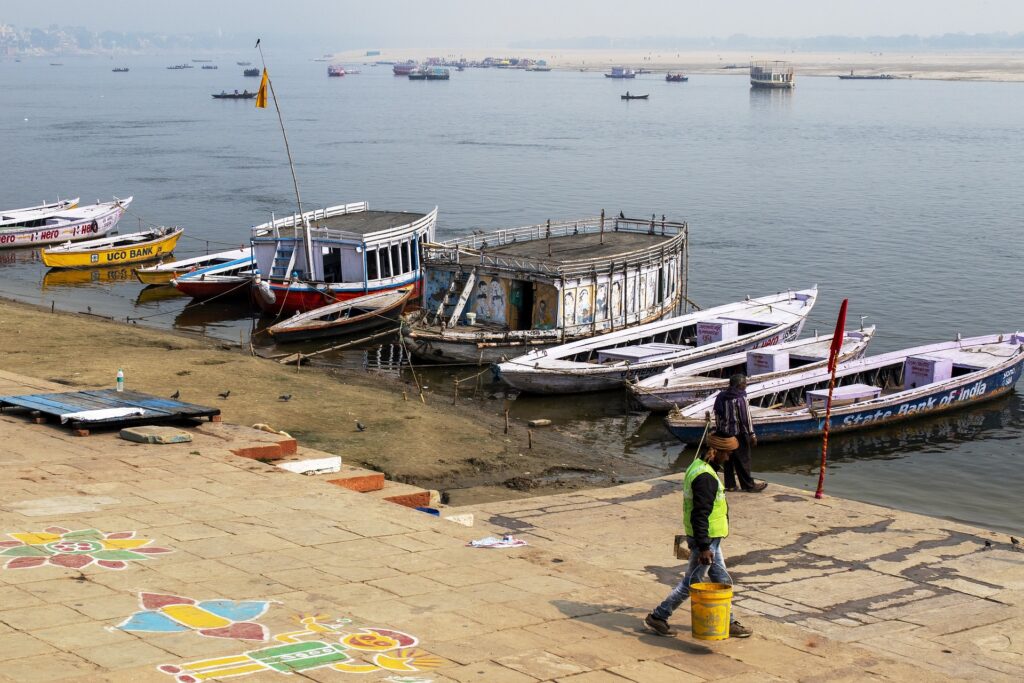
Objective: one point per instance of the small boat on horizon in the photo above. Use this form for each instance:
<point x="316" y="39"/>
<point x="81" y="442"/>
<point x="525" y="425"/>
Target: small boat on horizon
<point x="335" y="71"/>
<point x="162" y="273"/>
<point x="117" y="250"/>
<point x="875" y="390"/>
<point x="404" y="68"/>
<point x="33" y="227"/>
<point x="209" y="66"/>
<point x="243" y="63"/>
<point x="620" y="72"/>
<point x="120" y="69"/>
<point x="361" y="314"/>
<point x="251" y="72"/>
<point x="866" y="77"/>
<point x="776" y="75"/>
<point x="178" y="67"/>
<point x="627" y="96"/>
<point x="244" y="95"/>
<point x="676" y="78"/>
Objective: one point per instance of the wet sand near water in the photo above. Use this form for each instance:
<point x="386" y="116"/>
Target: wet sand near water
<point x="460" y="449"/>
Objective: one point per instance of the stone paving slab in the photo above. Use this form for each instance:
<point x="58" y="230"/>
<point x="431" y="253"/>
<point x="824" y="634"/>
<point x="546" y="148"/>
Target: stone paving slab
<point x="129" y="557"/>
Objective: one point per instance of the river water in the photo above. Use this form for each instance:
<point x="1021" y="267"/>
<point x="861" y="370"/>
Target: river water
<point x="903" y="196"/>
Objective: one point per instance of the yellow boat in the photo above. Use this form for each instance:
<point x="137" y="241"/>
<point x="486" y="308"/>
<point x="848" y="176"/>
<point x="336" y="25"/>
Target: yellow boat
<point x="110" y="251"/>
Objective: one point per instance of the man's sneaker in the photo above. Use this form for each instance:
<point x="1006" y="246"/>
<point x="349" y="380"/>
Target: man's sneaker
<point x="738" y="630"/>
<point x="659" y="626"/>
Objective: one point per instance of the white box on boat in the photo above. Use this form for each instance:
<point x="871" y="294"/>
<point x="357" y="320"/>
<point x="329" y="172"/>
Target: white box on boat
<point x="766" y="360"/>
<point x="716" y="330"/>
<point x="921" y="370"/>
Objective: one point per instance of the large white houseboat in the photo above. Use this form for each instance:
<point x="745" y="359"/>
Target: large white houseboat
<point x="772" y="74"/>
<point x="492" y="296"/>
<point x="335" y="254"/>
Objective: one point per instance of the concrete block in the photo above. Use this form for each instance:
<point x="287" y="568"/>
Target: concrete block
<point x="463" y="518"/>
<point x="407" y="495"/>
<point x="155" y="434"/>
<point x="303" y="464"/>
<point x="541" y="422"/>
<point x="358" y="479"/>
<point x="250" y="443"/>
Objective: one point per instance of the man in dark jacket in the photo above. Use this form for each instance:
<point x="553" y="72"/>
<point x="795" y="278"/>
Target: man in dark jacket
<point x="732" y="418"/>
<point x="706" y="522"/>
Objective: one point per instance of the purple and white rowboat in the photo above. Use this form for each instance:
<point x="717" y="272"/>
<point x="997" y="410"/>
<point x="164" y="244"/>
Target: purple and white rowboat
<point x="83" y="222"/>
<point x="876" y="390"/>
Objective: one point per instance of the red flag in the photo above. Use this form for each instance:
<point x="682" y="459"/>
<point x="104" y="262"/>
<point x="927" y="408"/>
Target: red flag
<point x="837" y="338"/>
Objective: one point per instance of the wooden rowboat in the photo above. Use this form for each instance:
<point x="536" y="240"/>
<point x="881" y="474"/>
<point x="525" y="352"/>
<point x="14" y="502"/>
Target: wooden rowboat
<point x="163" y="273"/>
<point x="131" y="248"/>
<point x="634" y="97"/>
<point x="345" y="317"/>
<point x="874" y="391"/>
<point x="42" y="225"/>
<point x="686" y="384"/>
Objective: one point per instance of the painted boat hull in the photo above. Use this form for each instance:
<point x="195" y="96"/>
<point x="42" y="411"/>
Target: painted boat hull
<point x="225" y="288"/>
<point x="87" y="228"/>
<point x="952" y="395"/>
<point x="136" y="253"/>
<point x="157" y="277"/>
<point x="383" y="317"/>
<point x="435" y="350"/>
<point x="289" y="298"/>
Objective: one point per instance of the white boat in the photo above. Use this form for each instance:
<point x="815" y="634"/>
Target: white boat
<point x="40" y="211"/>
<point x="83" y="222"/>
<point x="686" y="384"/>
<point x="162" y="273"/>
<point x="611" y="360"/>
<point x="874" y="391"/>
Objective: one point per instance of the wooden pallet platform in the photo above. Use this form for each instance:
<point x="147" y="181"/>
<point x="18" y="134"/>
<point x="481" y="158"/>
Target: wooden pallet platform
<point x="156" y="410"/>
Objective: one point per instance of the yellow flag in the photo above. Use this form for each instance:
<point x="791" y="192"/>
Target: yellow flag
<point x="261" y="96"/>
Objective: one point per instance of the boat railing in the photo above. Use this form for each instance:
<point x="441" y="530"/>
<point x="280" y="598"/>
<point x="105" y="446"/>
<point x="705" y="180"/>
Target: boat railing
<point x="290" y="221"/>
<point x="472" y="249"/>
<point x="423" y="224"/>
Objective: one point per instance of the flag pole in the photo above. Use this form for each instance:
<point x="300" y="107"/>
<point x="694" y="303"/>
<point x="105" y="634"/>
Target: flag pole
<point x="833" y="362"/>
<point x="291" y="164"/>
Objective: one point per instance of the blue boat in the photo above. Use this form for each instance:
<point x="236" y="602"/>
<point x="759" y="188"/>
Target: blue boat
<point x="877" y="390"/>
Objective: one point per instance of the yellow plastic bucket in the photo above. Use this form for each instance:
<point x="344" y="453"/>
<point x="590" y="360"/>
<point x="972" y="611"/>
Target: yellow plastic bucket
<point x="710" y="609"/>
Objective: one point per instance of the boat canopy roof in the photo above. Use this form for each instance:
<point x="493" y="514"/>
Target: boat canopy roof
<point x="344" y="221"/>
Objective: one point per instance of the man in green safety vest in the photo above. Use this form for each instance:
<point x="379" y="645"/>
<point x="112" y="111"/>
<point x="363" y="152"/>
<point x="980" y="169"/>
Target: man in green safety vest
<point x="706" y="522"/>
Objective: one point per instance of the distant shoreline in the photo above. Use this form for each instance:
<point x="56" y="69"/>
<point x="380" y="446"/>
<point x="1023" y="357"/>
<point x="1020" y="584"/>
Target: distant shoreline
<point x="1003" y="65"/>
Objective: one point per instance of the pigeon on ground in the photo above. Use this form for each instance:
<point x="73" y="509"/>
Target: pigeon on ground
<point x="225" y="394"/>
<point x="285" y="397"/>
<point x="360" y="426"/>
<point x="1015" y="543"/>
<point x="988" y="544"/>
<point x="176" y="394"/>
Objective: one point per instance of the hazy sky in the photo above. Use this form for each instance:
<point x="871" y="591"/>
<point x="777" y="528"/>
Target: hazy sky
<point x="458" y="23"/>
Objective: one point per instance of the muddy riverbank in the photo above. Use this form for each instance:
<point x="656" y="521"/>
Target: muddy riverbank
<point x="459" y="448"/>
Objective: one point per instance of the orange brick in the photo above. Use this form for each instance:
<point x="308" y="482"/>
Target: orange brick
<point x="411" y="500"/>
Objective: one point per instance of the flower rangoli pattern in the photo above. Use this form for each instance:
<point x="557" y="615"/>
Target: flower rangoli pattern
<point x="56" y="546"/>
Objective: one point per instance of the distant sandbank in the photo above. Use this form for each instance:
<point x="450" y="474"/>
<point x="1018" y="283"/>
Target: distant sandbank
<point x="947" y="66"/>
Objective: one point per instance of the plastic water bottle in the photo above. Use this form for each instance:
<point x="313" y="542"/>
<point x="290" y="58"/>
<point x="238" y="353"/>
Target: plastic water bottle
<point x="120" y="380"/>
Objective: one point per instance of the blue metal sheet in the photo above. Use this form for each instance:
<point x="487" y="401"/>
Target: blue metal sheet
<point x="157" y="409"/>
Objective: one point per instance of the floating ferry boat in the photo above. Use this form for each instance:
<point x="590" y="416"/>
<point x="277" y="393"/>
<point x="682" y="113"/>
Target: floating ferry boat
<point x="488" y="297"/>
<point x="611" y="360"/>
<point x="119" y="249"/>
<point x="243" y="63"/>
<point x="361" y="314"/>
<point x="244" y="95"/>
<point x="120" y="69"/>
<point x="31" y="228"/>
<point x="251" y="72"/>
<point x="866" y="77"/>
<point x="163" y="273"/>
<point x="438" y="73"/>
<point x="876" y="390"/>
<point x="620" y="72"/>
<point x="176" y="67"/>
<point x="404" y="68"/>
<point x="209" y="66"/>
<point x="676" y="78"/>
<point x="337" y="253"/>
<point x="772" y="74"/>
<point x="335" y="71"/>
<point x="686" y="384"/>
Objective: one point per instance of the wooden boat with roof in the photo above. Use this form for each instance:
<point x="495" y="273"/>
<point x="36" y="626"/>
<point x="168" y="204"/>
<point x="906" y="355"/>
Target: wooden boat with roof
<point x="610" y="361"/>
<point x="686" y="384"/>
<point x="119" y="249"/>
<point x="41" y="225"/>
<point x="361" y="314"/>
<point x="335" y="254"/>
<point x="876" y="390"/>
<point x="492" y="296"/>
<point x="162" y="273"/>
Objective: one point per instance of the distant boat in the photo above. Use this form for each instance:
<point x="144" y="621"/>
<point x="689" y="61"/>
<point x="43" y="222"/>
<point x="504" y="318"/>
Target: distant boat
<point x="56" y="64"/>
<point x="676" y="78"/>
<point x="244" y="95"/>
<point x="532" y="68"/>
<point x="335" y="70"/>
<point x="438" y="73"/>
<point x="418" y="75"/>
<point x="120" y="69"/>
<point x="209" y="66"/>
<point x="180" y="66"/>
<point x="108" y="251"/>
<point x="201" y="60"/>
<point x="775" y="75"/>
<point x="243" y="63"/>
<point x="405" y="68"/>
<point x="251" y="72"/>
<point x="866" y="77"/>
<point x="372" y="311"/>
<point x="621" y="72"/>
<point x="627" y="96"/>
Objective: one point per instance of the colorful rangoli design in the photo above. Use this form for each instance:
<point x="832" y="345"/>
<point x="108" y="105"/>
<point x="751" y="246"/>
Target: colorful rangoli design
<point x="332" y="645"/>
<point x="76" y="549"/>
<point x="211" y="618"/>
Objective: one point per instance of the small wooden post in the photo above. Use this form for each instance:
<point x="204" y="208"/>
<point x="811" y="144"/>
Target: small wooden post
<point x="529" y="438"/>
<point x="405" y="395"/>
<point x="53" y="305"/>
<point x="506" y="420"/>
<point x="602" y="226"/>
<point x="548" y="237"/>
<point x="455" y="398"/>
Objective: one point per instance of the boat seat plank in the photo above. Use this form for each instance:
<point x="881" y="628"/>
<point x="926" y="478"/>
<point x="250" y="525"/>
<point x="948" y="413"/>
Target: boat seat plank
<point x="641" y="352"/>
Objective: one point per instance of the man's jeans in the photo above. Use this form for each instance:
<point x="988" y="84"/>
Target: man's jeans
<point x="695" y="573"/>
